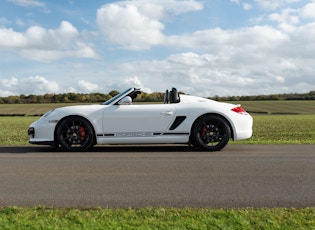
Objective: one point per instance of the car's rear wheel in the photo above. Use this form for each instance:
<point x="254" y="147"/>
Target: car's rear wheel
<point x="75" y="134"/>
<point x="211" y="133"/>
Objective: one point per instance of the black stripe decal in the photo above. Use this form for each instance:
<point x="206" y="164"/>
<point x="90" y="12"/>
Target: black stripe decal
<point x="175" y="133"/>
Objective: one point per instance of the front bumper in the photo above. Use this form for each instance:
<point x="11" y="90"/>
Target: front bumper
<point x="41" y="132"/>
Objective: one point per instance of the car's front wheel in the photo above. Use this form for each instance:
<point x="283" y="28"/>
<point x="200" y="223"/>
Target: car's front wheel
<point x="75" y="134"/>
<point x="211" y="133"/>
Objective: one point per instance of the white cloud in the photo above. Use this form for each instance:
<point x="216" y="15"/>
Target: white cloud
<point x="19" y="22"/>
<point x="158" y="9"/>
<point x="274" y="4"/>
<point x="192" y="59"/>
<point x="39" y="85"/>
<point x="249" y="43"/>
<point x="27" y="3"/>
<point x="135" y="82"/>
<point x="88" y="87"/>
<point x="40" y="44"/>
<point x="286" y="18"/>
<point x="9" y="83"/>
<point x="236" y="1"/>
<point x="137" y="25"/>
<point x="11" y="39"/>
<point x="30" y="85"/>
<point x="269" y="4"/>
<point x="5" y="93"/>
<point x="247" y="6"/>
<point x="31" y="3"/>
<point x="4" y="20"/>
<point x="308" y="10"/>
<point x="126" y="27"/>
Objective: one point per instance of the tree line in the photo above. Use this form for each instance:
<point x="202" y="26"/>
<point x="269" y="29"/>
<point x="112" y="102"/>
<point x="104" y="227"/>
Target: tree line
<point x="76" y="98"/>
<point x="143" y="97"/>
<point x="271" y="97"/>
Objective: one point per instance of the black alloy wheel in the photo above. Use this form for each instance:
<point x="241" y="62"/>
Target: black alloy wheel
<point x="211" y="133"/>
<point x="75" y="134"/>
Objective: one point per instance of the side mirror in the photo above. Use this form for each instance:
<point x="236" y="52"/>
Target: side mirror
<point x="125" y="101"/>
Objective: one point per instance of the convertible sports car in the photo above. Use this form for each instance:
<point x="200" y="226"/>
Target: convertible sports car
<point x="204" y="123"/>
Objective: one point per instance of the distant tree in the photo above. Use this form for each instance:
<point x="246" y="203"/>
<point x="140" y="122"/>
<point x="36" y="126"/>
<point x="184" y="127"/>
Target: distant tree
<point x="113" y="93"/>
<point x="56" y="98"/>
<point x="23" y="97"/>
<point x="31" y="98"/>
<point x="47" y="96"/>
<point x="12" y="99"/>
<point x="40" y="99"/>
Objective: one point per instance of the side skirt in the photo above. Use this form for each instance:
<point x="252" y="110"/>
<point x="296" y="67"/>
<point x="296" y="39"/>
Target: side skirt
<point x="143" y="138"/>
<point x="51" y="143"/>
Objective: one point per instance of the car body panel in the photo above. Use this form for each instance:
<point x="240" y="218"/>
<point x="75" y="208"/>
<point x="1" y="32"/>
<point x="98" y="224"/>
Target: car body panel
<point x="138" y="118"/>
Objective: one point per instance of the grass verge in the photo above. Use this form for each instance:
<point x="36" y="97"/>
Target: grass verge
<point x="156" y="218"/>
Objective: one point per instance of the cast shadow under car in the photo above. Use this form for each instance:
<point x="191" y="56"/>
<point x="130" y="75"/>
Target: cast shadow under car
<point x="99" y="148"/>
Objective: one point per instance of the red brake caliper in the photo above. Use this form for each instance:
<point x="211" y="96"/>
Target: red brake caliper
<point x="203" y="131"/>
<point x="82" y="133"/>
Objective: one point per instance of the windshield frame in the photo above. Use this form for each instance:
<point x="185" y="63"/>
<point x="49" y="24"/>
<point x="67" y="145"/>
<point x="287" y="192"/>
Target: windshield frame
<point x="116" y="98"/>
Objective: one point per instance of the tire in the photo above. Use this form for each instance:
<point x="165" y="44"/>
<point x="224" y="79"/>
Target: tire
<point x="211" y="133"/>
<point x="75" y="134"/>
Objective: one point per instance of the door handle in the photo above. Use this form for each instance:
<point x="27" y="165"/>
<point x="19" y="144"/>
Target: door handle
<point x="167" y="113"/>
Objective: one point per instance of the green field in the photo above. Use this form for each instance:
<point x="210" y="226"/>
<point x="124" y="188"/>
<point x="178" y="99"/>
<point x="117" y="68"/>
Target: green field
<point x="278" y="107"/>
<point x="28" y="109"/>
<point x="283" y="129"/>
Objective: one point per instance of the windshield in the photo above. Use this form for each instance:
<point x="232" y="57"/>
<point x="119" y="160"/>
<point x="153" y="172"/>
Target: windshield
<point x="115" y="97"/>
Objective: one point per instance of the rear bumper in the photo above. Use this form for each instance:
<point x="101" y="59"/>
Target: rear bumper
<point x="244" y="134"/>
<point x="243" y="127"/>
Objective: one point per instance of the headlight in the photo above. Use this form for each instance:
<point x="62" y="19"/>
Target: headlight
<point x="31" y="132"/>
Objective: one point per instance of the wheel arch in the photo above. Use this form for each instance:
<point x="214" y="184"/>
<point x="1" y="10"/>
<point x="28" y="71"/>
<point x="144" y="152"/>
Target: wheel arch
<point x="66" y="117"/>
<point x="213" y="114"/>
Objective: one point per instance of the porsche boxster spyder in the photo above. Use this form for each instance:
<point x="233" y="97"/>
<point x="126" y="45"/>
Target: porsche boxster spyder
<point x="203" y="123"/>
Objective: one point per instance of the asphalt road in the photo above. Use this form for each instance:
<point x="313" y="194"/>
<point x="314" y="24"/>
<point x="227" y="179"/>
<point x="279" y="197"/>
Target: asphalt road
<point x="169" y="176"/>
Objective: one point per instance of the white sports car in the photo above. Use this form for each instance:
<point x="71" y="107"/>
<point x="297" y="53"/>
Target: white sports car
<point x="197" y="121"/>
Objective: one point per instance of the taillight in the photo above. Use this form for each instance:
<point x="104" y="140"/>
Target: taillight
<point x="240" y="110"/>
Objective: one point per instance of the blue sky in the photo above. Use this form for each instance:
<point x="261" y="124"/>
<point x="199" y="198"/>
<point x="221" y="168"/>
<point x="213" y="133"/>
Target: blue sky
<point x="205" y="48"/>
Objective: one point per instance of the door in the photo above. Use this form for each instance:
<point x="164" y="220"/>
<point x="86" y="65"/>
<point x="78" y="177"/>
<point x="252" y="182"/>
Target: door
<point x="137" y="120"/>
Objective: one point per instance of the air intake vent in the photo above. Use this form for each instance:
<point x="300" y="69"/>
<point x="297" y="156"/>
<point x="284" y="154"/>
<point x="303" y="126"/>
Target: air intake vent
<point x="177" y="122"/>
